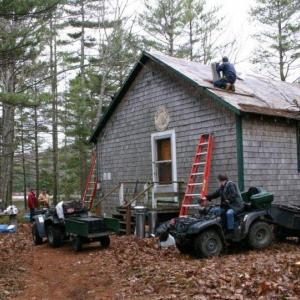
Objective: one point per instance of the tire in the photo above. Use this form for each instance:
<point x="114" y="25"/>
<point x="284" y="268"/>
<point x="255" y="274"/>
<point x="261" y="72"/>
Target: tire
<point x="184" y="248"/>
<point x="77" y="244"/>
<point x="37" y="240"/>
<point x="105" y="241"/>
<point x="279" y="234"/>
<point x="260" y="235"/>
<point x="54" y="236"/>
<point x="208" y="243"/>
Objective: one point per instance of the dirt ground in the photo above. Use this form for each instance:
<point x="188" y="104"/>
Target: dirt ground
<point x="135" y="269"/>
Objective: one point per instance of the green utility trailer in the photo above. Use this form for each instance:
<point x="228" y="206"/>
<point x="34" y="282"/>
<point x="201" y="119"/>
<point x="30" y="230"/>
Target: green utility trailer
<point x="77" y="226"/>
<point x="89" y="229"/>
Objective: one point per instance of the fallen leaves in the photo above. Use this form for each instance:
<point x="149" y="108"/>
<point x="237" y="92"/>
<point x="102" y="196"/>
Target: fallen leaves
<point x="12" y="266"/>
<point x="139" y="269"/>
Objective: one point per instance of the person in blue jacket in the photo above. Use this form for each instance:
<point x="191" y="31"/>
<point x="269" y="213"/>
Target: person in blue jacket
<point x="229" y="75"/>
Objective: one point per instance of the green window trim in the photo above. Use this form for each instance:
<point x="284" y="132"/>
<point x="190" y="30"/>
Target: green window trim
<point x="240" y="152"/>
<point x="298" y="145"/>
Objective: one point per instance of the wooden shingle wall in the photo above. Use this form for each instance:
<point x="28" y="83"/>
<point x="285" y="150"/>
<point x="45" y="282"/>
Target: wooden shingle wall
<point x="124" y="145"/>
<point x="270" y="158"/>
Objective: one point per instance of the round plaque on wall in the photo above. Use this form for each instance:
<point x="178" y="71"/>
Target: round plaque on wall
<point x="162" y="118"/>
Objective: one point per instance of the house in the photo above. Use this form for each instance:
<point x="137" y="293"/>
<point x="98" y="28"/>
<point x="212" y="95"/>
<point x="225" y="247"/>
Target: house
<point x="151" y="129"/>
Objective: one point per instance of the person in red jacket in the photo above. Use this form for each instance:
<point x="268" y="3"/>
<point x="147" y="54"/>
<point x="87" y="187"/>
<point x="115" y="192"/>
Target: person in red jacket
<point x="32" y="203"/>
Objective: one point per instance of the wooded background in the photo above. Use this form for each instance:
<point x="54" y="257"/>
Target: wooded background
<point x="62" y="62"/>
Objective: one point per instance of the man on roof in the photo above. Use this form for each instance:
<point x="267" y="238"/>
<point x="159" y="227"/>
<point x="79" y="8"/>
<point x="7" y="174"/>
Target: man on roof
<point x="228" y="77"/>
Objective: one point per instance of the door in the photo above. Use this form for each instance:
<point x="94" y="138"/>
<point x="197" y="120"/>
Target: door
<point x="164" y="162"/>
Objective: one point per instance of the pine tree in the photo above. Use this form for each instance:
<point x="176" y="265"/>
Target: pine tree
<point x="21" y="29"/>
<point x="163" y="23"/>
<point x="202" y="25"/>
<point x="279" y="51"/>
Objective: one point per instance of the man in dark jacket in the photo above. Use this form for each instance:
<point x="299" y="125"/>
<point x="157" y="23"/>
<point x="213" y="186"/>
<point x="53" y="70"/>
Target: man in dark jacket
<point x="32" y="203"/>
<point x="231" y="199"/>
<point x="229" y="75"/>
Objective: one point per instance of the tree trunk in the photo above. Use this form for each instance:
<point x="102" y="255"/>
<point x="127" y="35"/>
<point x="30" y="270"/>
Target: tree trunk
<point x="191" y="40"/>
<point x="23" y="162"/>
<point x="36" y="150"/>
<point x="101" y="96"/>
<point x="53" y="72"/>
<point x="7" y="155"/>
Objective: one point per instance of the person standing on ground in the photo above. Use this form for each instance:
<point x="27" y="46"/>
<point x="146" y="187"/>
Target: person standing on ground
<point x="44" y="198"/>
<point x="32" y="203"/>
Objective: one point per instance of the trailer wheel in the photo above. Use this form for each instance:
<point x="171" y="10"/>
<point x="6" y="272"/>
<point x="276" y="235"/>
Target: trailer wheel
<point x="260" y="235"/>
<point x="105" y="241"/>
<point x="54" y="236"/>
<point x="208" y="243"/>
<point x="37" y="240"/>
<point x="77" y="244"/>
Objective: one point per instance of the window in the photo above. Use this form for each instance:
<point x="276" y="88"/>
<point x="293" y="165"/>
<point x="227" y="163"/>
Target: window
<point x="164" y="160"/>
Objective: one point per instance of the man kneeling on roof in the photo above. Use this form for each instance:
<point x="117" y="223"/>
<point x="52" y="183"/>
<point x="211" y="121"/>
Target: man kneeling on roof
<point x="231" y="200"/>
<point x="229" y="75"/>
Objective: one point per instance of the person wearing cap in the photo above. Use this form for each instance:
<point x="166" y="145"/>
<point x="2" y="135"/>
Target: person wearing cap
<point x="231" y="200"/>
<point x="228" y="77"/>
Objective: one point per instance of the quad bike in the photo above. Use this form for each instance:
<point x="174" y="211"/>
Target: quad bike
<point x="205" y="233"/>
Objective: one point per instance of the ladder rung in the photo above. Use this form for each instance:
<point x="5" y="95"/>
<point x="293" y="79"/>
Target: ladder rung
<point x="202" y="144"/>
<point x="201" y="153"/>
<point x="199" y="173"/>
<point x="195" y="184"/>
<point x="200" y="163"/>
<point x="191" y="205"/>
<point x="193" y="195"/>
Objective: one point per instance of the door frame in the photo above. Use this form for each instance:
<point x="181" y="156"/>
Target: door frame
<point x="158" y="136"/>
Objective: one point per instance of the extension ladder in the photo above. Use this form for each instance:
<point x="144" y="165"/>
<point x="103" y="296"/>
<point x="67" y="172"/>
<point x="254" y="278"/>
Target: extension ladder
<point x="90" y="189"/>
<point x="197" y="186"/>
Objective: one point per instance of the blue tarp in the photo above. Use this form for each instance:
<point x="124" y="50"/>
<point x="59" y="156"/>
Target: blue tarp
<point x="8" y="228"/>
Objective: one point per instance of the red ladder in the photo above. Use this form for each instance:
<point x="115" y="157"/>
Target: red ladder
<point x="90" y="190"/>
<point x="198" y="177"/>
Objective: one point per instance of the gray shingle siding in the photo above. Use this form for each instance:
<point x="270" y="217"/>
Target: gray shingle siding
<point x="270" y="157"/>
<point x="124" y="145"/>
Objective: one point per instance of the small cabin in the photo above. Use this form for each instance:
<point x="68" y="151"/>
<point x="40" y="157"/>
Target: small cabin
<point x="146" y="140"/>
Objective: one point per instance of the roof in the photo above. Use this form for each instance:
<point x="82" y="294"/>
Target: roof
<point x="254" y="94"/>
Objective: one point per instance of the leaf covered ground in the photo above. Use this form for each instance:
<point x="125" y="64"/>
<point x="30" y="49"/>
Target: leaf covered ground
<point x="138" y="269"/>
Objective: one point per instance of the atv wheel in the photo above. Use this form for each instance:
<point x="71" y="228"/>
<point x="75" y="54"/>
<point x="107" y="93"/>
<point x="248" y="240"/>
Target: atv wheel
<point x="54" y="236"/>
<point x="105" y="241"/>
<point x="37" y="240"/>
<point x="77" y="244"/>
<point x="184" y="248"/>
<point x="260" y="235"/>
<point x="208" y="243"/>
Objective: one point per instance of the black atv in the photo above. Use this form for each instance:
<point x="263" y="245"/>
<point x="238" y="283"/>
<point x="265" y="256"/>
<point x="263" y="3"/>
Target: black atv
<point x="205" y="233"/>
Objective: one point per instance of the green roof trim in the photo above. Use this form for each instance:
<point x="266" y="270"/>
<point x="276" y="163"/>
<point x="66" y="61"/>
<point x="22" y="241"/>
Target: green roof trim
<point x="131" y="77"/>
<point x="240" y="151"/>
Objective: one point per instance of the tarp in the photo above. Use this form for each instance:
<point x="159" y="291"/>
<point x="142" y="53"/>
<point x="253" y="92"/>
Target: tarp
<point x="5" y="228"/>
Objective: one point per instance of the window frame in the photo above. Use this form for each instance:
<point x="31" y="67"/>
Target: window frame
<point x="159" y="136"/>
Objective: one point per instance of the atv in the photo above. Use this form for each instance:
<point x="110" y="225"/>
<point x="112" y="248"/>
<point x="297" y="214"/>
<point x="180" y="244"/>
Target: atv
<point x="204" y="234"/>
